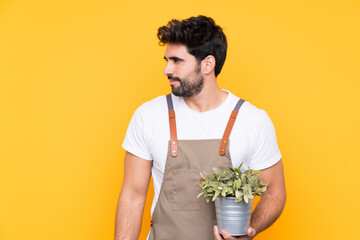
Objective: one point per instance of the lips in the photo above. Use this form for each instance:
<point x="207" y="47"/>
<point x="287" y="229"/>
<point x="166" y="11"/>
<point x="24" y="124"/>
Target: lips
<point x="173" y="81"/>
<point x="172" y="78"/>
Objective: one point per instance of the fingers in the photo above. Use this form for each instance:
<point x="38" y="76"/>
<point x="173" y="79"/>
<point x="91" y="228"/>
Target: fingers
<point x="226" y="235"/>
<point x="251" y="232"/>
<point x="216" y="233"/>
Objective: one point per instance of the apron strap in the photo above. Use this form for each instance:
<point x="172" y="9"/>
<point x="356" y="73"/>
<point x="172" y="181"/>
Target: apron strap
<point x="172" y="123"/>
<point x="229" y="127"/>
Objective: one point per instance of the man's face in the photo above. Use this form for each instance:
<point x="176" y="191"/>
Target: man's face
<point x="183" y="71"/>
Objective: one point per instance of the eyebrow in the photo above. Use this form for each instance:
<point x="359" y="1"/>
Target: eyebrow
<point x="174" y="58"/>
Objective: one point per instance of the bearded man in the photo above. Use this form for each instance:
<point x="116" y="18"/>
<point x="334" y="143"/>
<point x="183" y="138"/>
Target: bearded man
<point x="204" y="133"/>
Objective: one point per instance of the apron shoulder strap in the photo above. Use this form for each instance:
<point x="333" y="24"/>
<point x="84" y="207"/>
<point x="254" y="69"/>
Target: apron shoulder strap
<point x="172" y="123"/>
<point x="229" y="127"/>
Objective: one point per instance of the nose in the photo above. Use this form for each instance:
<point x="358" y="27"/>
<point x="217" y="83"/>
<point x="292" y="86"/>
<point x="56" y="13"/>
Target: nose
<point x="168" y="68"/>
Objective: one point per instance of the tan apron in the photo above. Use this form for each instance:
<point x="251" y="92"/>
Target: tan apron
<point x="179" y="214"/>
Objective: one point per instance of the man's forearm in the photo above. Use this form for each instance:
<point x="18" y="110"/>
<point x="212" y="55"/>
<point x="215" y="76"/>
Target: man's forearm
<point x="128" y="219"/>
<point x="267" y="211"/>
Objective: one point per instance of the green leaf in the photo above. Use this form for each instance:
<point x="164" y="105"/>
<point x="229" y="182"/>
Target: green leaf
<point x="237" y="184"/>
<point x="249" y="196"/>
<point x="252" y="180"/>
<point x="243" y="179"/>
<point x="249" y="189"/>
<point x="200" y="194"/>
<point x="217" y="192"/>
<point x="216" y="171"/>
<point x="240" y="166"/>
<point x="215" y="184"/>
<point x="246" y="198"/>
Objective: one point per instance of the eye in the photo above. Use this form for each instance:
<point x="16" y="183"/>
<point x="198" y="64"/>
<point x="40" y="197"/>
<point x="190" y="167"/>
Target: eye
<point x="176" y="60"/>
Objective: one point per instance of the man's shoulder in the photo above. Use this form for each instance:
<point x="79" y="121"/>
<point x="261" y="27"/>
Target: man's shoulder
<point x="156" y="102"/>
<point x="153" y="106"/>
<point x="248" y="109"/>
<point x="252" y="109"/>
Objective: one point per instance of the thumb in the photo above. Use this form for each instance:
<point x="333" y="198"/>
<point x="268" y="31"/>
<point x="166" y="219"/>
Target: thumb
<point x="251" y="232"/>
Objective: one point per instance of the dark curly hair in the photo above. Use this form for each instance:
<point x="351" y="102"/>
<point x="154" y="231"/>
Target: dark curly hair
<point x="200" y="35"/>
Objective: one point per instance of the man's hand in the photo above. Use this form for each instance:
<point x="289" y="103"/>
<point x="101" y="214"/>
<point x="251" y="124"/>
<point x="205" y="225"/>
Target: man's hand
<point x="251" y="232"/>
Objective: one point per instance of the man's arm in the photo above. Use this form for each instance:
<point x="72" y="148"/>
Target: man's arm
<point x="269" y="208"/>
<point x="132" y="198"/>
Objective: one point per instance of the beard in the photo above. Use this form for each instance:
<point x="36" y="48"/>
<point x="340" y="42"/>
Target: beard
<point x="188" y="87"/>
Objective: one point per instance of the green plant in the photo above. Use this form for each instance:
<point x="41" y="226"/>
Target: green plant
<point x="232" y="183"/>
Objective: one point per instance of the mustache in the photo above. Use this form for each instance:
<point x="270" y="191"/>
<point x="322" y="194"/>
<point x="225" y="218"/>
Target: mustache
<point x="171" y="77"/>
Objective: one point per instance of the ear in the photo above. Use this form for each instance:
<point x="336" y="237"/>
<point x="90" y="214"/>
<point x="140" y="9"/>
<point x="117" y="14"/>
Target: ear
<point x="208" y="64"/>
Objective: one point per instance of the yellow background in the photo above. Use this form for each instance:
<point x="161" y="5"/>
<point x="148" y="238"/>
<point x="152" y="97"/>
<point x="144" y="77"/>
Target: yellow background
<point x="73" y="72"/>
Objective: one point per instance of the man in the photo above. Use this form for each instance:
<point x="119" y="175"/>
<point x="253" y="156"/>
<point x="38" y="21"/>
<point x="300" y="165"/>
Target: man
<point x="211" y="128"/>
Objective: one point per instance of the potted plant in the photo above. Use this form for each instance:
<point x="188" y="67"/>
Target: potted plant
<point x="233" y="192"/>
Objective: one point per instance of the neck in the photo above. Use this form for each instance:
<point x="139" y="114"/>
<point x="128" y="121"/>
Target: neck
<point x="210" y="97"/>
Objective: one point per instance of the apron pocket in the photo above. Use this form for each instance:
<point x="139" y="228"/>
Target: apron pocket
<point x="185" y="188"/>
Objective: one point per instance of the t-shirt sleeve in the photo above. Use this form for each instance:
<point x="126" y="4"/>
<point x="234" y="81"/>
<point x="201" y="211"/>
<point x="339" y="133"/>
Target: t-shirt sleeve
<point x="265" y="148"/>
<point x="135" y="140"/>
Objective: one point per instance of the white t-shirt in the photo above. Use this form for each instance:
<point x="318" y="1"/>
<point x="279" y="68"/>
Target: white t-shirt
<point x="252" y="139"/>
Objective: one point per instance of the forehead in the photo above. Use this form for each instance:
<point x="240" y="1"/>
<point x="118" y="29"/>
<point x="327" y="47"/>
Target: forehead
<point x="177" y="50"/>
